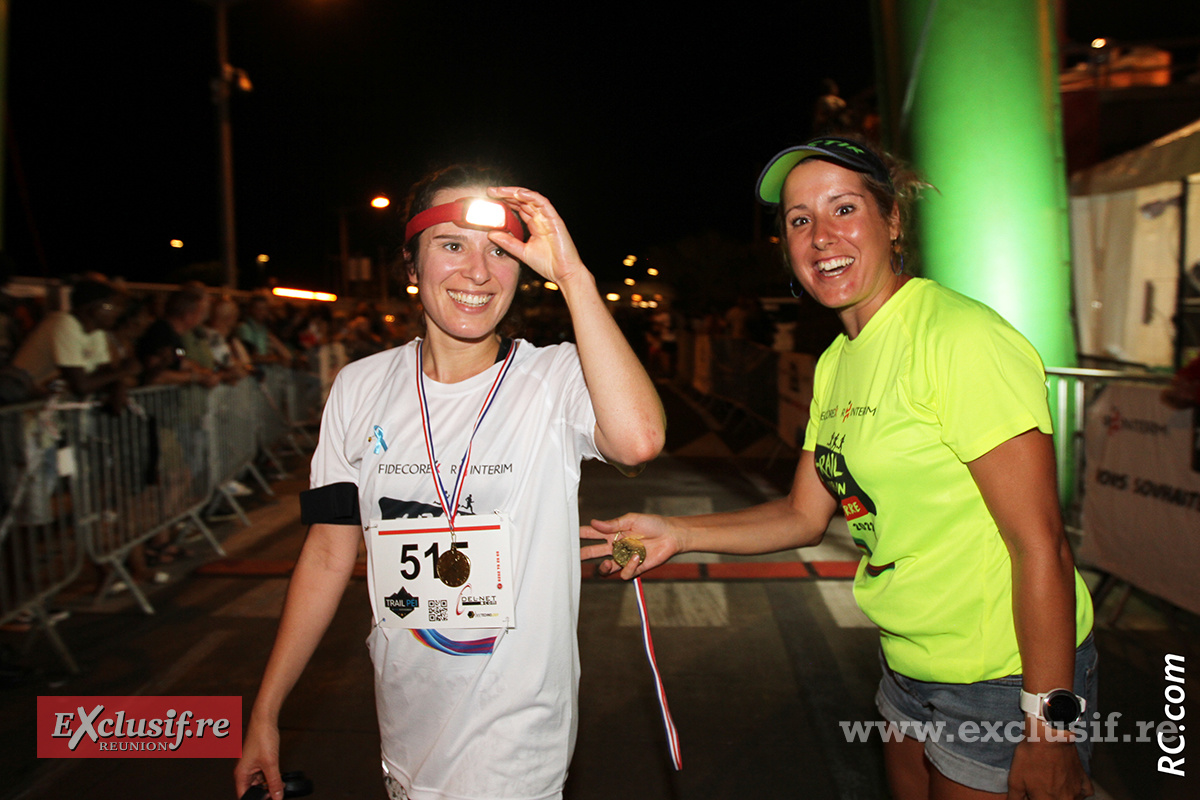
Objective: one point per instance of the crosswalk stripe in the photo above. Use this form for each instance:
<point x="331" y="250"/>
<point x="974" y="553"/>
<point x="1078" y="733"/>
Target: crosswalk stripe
<point x="839" y="600"/>
<point x="264" y="601"/>
<point x="677" y="605"/>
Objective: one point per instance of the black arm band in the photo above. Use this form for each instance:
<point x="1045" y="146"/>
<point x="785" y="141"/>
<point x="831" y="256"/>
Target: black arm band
<point x="335" y="504"/>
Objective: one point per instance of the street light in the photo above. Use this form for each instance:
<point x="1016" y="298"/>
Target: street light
<point x="228" y="77"/>
<point x="304" y="294"/>
<point x="378" y="202"/>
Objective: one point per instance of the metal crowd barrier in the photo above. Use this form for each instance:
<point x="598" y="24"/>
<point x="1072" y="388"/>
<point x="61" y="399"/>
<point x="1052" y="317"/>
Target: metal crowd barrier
<point x="76" y="479"/>
<point x="738" y="370"/>
<point x="736" y="383"/>
<point x="289" y="401"/>
<point x="742" y="377"/>
<point x="142" y="473"/>
<point x="234" y="424"/>
<point x="1071" y="391"/>
<point x="40" y="550"/>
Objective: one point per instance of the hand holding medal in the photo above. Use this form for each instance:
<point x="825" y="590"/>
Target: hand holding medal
<point x="650" y="537"/>
<point x="625" y="548"/>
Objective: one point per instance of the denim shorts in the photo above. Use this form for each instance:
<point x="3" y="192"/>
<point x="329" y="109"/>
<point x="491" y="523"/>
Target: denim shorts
<point x="971" y="730"/>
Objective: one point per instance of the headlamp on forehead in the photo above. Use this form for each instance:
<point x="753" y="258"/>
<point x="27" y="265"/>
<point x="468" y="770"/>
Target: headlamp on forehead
<point x="468" y="212"/>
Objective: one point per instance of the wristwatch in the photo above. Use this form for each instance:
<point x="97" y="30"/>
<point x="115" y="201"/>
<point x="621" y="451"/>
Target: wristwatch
<point x="1057" y="707"/>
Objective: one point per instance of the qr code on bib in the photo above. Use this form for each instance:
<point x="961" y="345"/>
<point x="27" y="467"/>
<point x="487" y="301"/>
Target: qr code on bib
<point x="437" y="610"/>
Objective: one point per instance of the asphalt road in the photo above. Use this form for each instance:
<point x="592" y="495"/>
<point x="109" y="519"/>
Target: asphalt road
<point x="763" y="660"/>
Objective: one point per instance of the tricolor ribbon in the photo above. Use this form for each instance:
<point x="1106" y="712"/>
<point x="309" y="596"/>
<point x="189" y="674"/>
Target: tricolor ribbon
<point x="668" y="722"/>
<point x="449" y="500"/>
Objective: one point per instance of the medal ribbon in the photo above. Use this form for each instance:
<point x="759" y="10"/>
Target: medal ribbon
<point x="449" y="501"/>
<point x="668" y="722"/>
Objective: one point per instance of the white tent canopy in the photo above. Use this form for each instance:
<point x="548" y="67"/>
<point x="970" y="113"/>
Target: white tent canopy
<point x="1126" y="221"/>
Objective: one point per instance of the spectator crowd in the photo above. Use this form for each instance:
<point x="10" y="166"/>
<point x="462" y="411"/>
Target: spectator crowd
<point x="106" y="339"/>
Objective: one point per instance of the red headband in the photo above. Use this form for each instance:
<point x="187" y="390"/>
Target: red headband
<point x="468" y="212"/>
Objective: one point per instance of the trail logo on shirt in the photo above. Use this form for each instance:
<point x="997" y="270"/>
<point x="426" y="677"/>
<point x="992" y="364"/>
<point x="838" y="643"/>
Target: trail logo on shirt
<point x="401" y="603"/>
<point x="856" y="503"/>
<point x="831" y="466"/>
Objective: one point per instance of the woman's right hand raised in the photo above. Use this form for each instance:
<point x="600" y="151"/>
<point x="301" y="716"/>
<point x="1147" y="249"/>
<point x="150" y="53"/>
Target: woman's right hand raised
<point x="260" y="760"/>
<point x="659" y="535"/>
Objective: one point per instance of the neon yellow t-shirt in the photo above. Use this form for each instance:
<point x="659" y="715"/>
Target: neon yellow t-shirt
<point x="933" y="381"/>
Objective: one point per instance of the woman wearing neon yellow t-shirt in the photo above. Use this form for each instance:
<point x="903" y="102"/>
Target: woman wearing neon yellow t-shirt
<point x="929" y="428"/>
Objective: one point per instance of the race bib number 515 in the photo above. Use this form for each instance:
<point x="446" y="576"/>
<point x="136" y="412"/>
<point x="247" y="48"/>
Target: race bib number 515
<point x="410" y="592"/>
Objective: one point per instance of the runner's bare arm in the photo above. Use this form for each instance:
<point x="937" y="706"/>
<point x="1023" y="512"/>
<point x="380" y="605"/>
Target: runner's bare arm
<point x="322" y="571"/>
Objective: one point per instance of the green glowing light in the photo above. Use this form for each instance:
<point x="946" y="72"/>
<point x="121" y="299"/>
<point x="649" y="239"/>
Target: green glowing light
<point x="985" y="129"/>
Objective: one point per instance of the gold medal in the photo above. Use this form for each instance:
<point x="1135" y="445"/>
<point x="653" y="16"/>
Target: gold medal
<point x="453" y="567"/>
<point x="625" y="549"/>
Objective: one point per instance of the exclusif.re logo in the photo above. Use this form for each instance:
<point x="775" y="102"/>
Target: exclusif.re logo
<point x="139" y="727"/>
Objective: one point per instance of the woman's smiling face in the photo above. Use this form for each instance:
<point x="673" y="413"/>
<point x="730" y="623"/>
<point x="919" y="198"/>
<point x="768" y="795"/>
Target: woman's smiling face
<point x="466" y="282"/>
<point x="838" y="243"/>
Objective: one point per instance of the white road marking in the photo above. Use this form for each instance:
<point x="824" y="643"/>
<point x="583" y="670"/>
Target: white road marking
<point x="264" y="601"/>
<point x="839" y="599"/>
<point x="682" y="506"/>
<point x="677" y="605"/>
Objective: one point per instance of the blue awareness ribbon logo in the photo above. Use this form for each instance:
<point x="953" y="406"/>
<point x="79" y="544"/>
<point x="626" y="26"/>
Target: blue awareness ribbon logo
<point x="380" y="444"/>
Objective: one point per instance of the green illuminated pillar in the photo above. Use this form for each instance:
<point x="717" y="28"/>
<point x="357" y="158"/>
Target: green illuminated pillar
<point x="970" y="92"/>
<point x="3" y="107"/>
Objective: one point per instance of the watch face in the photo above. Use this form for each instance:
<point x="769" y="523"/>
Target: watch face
<point x="1062" y="707"/>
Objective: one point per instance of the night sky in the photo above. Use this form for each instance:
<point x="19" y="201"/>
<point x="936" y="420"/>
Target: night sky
<point x="643" y="127"/>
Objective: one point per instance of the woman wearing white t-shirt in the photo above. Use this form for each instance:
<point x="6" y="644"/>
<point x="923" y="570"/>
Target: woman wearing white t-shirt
<point x="464" y="424"/>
